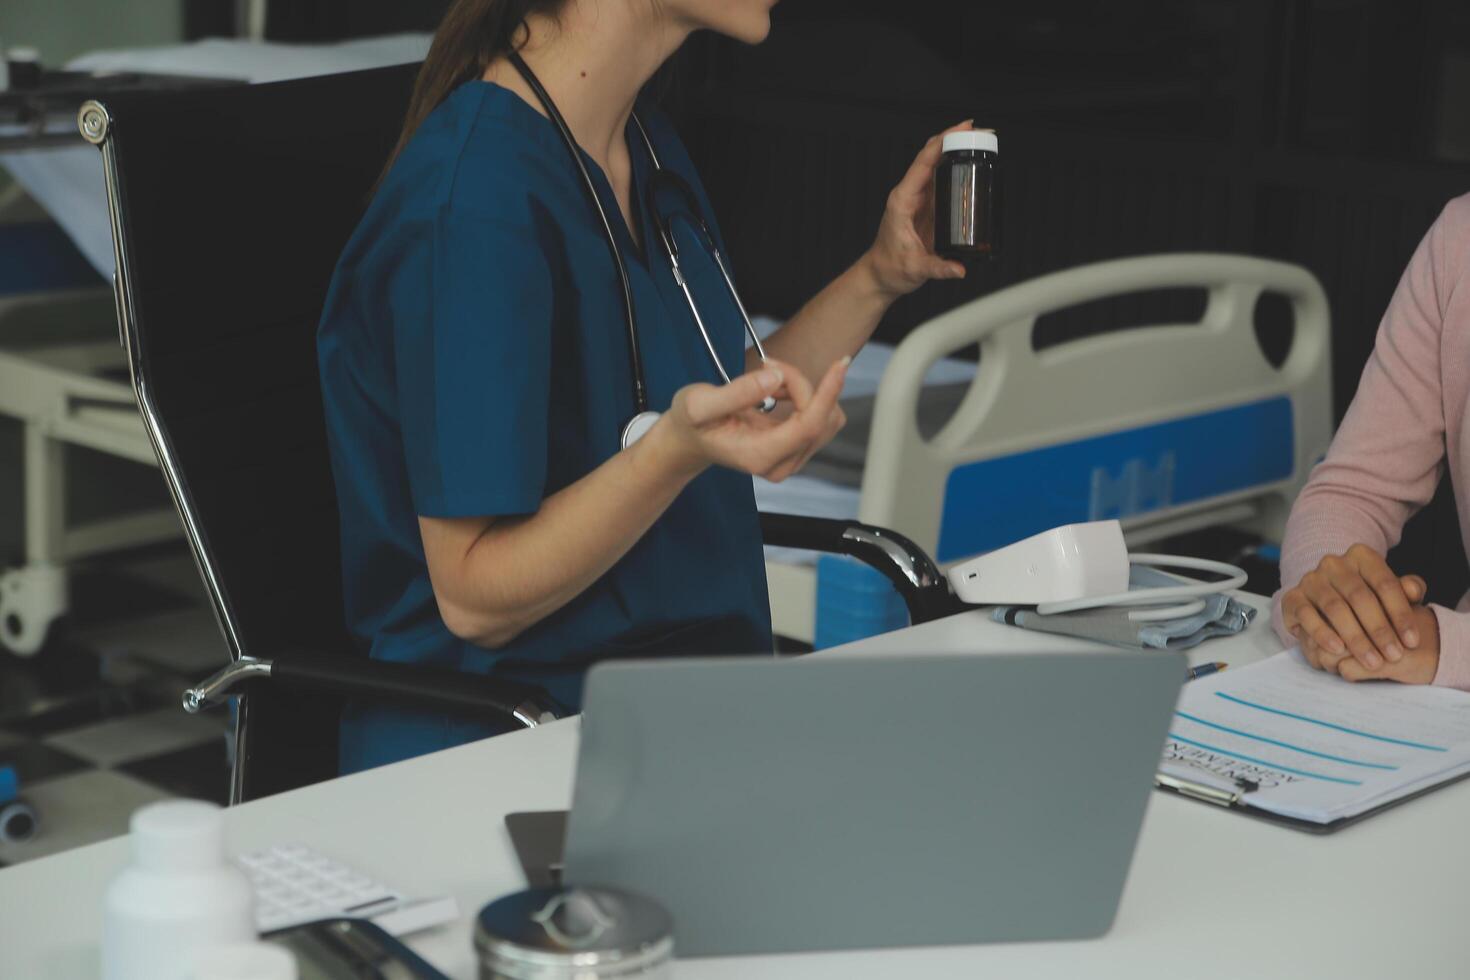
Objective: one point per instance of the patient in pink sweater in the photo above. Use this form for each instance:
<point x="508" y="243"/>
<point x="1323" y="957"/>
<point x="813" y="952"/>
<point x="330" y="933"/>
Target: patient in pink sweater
<point x="1352" y="614"/>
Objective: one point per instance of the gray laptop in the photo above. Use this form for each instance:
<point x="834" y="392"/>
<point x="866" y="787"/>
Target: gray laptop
<point x="864" y="801"/>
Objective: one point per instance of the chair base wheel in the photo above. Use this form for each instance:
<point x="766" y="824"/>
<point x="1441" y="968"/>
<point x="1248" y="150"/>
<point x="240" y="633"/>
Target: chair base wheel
<point x="17" y="822"/>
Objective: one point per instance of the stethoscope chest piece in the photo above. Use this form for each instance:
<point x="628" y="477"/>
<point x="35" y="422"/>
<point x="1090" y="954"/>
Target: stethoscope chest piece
<point x="638" y="427"/>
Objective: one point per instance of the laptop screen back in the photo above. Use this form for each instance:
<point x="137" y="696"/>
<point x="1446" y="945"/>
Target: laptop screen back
<point x="839" y="802"/>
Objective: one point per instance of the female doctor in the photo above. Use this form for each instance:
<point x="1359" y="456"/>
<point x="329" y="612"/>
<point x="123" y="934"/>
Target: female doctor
<point x="505" y="310"/>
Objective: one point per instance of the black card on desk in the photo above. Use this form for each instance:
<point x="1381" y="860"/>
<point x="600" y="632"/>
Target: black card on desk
<point x="540" y="839"/>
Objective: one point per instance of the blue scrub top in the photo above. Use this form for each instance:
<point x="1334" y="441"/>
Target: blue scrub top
<point x="474" y="361"/>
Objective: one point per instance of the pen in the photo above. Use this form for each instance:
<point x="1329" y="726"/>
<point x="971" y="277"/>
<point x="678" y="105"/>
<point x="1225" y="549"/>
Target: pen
<point x="1205" y="670"/>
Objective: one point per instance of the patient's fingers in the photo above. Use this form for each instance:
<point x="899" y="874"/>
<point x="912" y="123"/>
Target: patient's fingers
<point x="1371" y="572"/>
<point x="1339" y="614"/>
<point x="1290" y="601"/>
<point x="1326" y="662"/>
<point x="1307" y="647"/>
<point x="1372" y="607"/>
<point x="1311" y="653"/>
<point x="1313" y="628"/>
<point x="1331" y="663"/>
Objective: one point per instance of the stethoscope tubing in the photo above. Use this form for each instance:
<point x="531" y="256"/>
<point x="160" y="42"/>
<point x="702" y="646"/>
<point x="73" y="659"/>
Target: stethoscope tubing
<point x="641" y="412"/>
<point x="706" y="236"/>
<point x="1150" y="599"/>
<point x="635" y="356"/>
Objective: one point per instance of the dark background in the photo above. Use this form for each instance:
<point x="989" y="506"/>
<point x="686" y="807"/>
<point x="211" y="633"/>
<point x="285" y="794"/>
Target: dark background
<point x="1324" y="132"/>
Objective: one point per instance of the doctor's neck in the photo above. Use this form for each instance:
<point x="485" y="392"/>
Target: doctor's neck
<point x="593" y="59"/>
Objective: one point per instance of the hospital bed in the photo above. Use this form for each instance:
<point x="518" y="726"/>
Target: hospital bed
<point x="73" y="389"/>
<point x="1170" y="428"/>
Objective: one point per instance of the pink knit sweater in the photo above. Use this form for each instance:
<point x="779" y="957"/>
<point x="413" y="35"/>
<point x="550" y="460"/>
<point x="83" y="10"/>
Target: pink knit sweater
<point x="1410" y="417"/>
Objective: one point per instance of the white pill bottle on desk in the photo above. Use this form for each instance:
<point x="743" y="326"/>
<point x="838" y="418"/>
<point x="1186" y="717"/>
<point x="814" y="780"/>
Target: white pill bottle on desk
<point x="178" y="898"/>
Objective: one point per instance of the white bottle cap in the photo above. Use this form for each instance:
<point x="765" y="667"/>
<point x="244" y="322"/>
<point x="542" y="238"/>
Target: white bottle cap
<point x="971" y="139"/>
<point x="245" y="961"/>
<point x="23" y="54"/>
<point x="178" y="835"/>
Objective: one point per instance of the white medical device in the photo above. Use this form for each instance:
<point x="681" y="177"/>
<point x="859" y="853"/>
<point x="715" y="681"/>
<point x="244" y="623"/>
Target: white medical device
<point x="1084" y="566"/>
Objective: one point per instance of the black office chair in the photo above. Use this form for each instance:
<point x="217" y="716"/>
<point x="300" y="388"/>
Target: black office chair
<point x="229" y="209"/>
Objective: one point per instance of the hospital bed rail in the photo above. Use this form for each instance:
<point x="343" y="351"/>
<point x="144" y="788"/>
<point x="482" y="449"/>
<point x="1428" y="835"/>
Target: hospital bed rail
<point x="1169" y="426"/>
<point x="1128" y="381"/>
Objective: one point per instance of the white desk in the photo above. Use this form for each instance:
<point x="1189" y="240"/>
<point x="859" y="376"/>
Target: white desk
<point x="1211" y="894"/>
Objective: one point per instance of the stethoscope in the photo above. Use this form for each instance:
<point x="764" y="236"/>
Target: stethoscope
<point x="660" y="179"/>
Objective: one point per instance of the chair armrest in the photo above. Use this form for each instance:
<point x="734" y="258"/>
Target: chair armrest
<point x="357" y="676"/>
<point x="924" y="590"/>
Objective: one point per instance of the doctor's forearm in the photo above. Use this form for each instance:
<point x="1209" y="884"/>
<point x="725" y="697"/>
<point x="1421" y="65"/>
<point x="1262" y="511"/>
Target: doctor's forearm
<point x="833" y="324"/>
<point x="494" y="578"/>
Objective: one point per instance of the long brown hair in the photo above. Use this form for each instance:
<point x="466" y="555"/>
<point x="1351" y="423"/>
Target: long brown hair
<point x="472" y="34"/>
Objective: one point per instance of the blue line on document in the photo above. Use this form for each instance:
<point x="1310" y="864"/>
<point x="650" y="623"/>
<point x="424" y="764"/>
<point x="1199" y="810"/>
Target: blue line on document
<point x="1328" y="724"/>
<point x="1263" y="762"/>
<point x="1285" y="745"/>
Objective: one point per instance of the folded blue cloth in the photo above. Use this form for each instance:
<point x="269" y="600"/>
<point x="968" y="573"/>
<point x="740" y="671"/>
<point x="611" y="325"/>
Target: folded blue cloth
<point x="1221" y="616"/>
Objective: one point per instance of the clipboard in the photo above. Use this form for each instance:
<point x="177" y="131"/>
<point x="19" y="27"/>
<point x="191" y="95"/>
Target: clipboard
<point x="1238" y="802"/>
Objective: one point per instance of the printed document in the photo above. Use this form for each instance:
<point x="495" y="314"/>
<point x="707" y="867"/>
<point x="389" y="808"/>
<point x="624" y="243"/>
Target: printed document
<point x="1306" y="744"/>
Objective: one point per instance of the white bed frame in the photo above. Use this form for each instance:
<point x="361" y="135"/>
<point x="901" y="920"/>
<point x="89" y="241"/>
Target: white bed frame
<point x="59" y="396"/>
<point x="1114" y="382"/>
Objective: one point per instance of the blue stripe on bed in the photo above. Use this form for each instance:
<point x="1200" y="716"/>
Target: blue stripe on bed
<point x="994" y="502"/>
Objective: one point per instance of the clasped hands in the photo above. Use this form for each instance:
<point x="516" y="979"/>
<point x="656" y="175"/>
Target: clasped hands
<point x="1356" y="618"/>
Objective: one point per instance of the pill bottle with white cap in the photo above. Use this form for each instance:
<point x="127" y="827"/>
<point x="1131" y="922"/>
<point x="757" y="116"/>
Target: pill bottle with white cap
<point x="967" y="196"/>
<point x="177" y="899"/>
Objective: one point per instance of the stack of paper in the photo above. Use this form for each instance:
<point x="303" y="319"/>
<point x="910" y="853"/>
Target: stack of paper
<point x="1305" y="744"/>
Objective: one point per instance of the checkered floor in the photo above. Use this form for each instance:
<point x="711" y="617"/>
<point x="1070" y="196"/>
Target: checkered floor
<point x="93" y="723"/>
